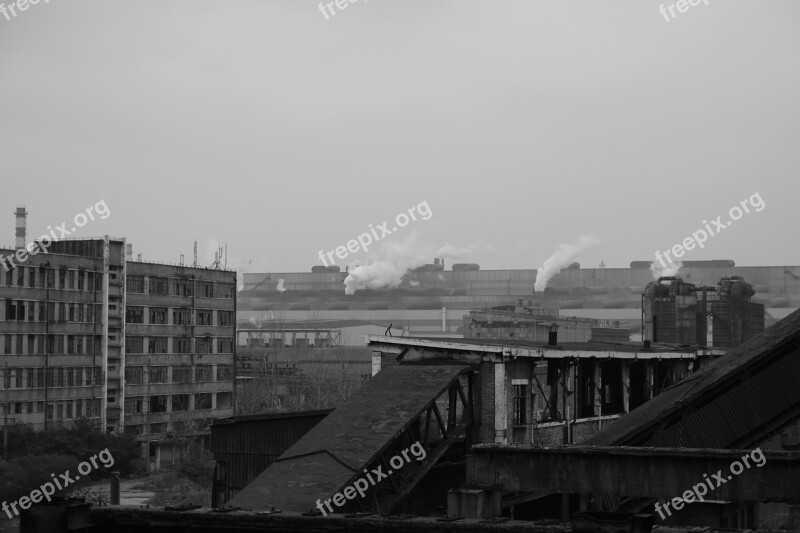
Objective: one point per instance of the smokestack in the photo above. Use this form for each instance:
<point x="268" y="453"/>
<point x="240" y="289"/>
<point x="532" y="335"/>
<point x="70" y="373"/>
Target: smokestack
<point x="20" y="213"/>
<point x="129" y="251"/>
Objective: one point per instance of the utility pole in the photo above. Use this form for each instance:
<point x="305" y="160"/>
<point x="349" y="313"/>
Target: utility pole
<point x="5" y="412"/>
<point x="147" y="418"/>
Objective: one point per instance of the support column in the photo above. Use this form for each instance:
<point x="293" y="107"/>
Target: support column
<point x="500" y="404"/>
<point x="626" y="385"/>
<point x="597" y="387"/>
<point x="650" y="377"/>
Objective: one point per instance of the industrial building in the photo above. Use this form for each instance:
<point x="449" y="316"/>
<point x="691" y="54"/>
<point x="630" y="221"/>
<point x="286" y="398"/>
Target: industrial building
<point x="433" y="301"/>
<point x="133" y="346"/>
<point x="677" y="312"/>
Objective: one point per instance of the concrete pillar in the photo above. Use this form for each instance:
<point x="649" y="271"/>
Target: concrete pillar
<point x="500" y="404"/>
<point x="598" y="388"/>
<point x="626" y="386"/>
<point x="115" y="488"/>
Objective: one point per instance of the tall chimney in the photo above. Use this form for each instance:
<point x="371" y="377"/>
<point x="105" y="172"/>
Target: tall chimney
<point x="20" y="213"/>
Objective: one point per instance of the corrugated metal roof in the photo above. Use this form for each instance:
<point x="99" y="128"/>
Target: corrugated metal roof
<point x="723" y="404"/>
<point x="349" y="438"/>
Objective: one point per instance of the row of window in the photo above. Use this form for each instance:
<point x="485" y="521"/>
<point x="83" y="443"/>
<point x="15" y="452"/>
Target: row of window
<point x="37" y="311"/>
<point x="36" y="277"/>
<point x="50" y="344"/>
<point x="180" y="317"/>
<point x="156" y="345"/>
<point x="178" y="287"/>
<point x="41" y="277"/>
<point x="61" y="410"/>
<point x="135" y="375"/>
<point x="34" y="378"/>
<point x="166" y="403"/>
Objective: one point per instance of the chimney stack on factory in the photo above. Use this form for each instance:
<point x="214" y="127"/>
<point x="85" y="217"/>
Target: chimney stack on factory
<point x="20" y="213"/>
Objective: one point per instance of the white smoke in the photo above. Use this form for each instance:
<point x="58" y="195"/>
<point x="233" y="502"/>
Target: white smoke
<point x="280" y="287"/>
<point x="671" y="270"/>
<point x="395" y="258"/>
<point x="562" y="257"/>
<point x="454" y="252"/>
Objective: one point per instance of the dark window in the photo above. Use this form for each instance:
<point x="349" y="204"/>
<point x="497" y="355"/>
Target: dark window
<point x="224" y="345"/>
<point x="182" y="345"/>
<point x="202" y="401"/>
<point x="203" y="373"/>
<point x="203" y="345"/>
<point x="158" y="374"/>
<point x="182" y="374"/>
<point x="158" y="404"/>
<point x="134" y="375"/>
<point x="158" y="315"/>
<point x="225" y="318"/>
<point x="157" y="345"/>
<point x="135" y="284"/>
<point x="134" y="345"/>
<point x="204" y="318"/>
<point x="182" y="317"/>
<point x="134" y="315"/>
<point x="159" y="286"/>
<point x="224" y="372"/>
<point x="180" y="402"/>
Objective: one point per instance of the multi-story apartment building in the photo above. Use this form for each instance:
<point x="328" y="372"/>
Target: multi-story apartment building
<point x="61" y="322"/>
<point x="179" y="353"/>
<point x="140" y="347"/>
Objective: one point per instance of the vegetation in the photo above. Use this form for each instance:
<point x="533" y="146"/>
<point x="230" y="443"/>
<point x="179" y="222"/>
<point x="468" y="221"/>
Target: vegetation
<point x="31" y="457"/>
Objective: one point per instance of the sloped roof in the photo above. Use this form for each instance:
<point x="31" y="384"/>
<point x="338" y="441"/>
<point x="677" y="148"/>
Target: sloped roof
<point x="735" y="414"/>
<point x="349" y="438"/>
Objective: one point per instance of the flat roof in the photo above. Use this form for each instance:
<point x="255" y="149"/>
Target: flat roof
<point x="539" y="349"/>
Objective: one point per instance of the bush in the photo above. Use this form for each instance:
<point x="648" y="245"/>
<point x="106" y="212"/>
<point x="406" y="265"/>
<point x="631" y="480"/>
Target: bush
<point x="78" y="443"/>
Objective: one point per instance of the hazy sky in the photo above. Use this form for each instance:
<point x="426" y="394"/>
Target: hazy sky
<point x="523" y="124"/>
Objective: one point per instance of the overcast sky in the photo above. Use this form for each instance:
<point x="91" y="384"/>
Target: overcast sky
<point x="523" y="124"/>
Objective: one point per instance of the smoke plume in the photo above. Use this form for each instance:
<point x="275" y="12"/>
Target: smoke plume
<point x="280" y="287"/>
<point x="670" y="270"/>
<point x="562" y="257"/>
<point x="395" y="258"/>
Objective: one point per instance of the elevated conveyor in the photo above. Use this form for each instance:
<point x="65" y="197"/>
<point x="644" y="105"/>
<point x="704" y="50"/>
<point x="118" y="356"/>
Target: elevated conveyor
<point x="401" y="405"/>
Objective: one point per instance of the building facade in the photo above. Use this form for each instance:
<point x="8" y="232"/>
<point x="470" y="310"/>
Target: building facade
<point x="140" y="347"/>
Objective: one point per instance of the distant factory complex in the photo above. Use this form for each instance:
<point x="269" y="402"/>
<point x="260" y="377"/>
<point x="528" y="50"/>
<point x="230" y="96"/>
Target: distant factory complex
<point x="597" y="400"/>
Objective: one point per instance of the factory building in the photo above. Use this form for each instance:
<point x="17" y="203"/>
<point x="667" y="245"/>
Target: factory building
<point x="133" y="346"/>
<point x="677" y="312"/>
<point x="432" y="301"/>
<point x="451" y="394"/>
